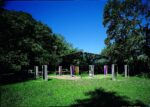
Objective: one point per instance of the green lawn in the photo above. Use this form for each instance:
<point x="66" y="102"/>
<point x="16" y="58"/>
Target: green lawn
<point x="82" y="92"/>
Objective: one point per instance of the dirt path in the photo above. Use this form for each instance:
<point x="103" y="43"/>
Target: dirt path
<point x="68" y="77"/>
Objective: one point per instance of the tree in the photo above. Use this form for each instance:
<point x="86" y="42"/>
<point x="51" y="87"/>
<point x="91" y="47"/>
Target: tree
<point x="16" y="27"/>
<point x="125" y="21"/>
<point x="2" y="3"/>
<point x="26" y="42"/>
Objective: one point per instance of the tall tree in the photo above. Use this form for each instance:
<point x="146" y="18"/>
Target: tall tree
<point x="125" y="21"/>
<point x="27" y="42"/>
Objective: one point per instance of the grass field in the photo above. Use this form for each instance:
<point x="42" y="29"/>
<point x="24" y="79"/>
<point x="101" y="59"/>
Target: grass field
<point x="98" y="91"/>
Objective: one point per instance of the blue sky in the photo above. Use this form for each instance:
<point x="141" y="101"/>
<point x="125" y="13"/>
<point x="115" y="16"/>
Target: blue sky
<point x="79" y="21"/>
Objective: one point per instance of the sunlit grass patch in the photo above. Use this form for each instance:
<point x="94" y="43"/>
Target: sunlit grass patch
<point x="63" y="92"/>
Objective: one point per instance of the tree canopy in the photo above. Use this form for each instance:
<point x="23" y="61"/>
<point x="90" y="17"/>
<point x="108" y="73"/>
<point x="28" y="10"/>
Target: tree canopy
<point x="126" y="21"/>
<point x="27" y="42"/>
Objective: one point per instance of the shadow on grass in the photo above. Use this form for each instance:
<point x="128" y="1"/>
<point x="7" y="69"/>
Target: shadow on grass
<point x="49" y="79"/>
<point x="10" y="78"/>
<point x="16" y="77"/>
<point x="144" y="75"/>
<point x="100" y="98"/>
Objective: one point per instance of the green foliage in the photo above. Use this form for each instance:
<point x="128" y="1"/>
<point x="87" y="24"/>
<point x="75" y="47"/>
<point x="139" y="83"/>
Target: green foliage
<point x="2" y="2"/>
<point x="125" y="21"/>
<point x="102" y="61"/>
<point x="143" y="58"/>
<point x="16" y="27"/>
<point x="27" y="42"/>
<point x="76" y="62"/>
